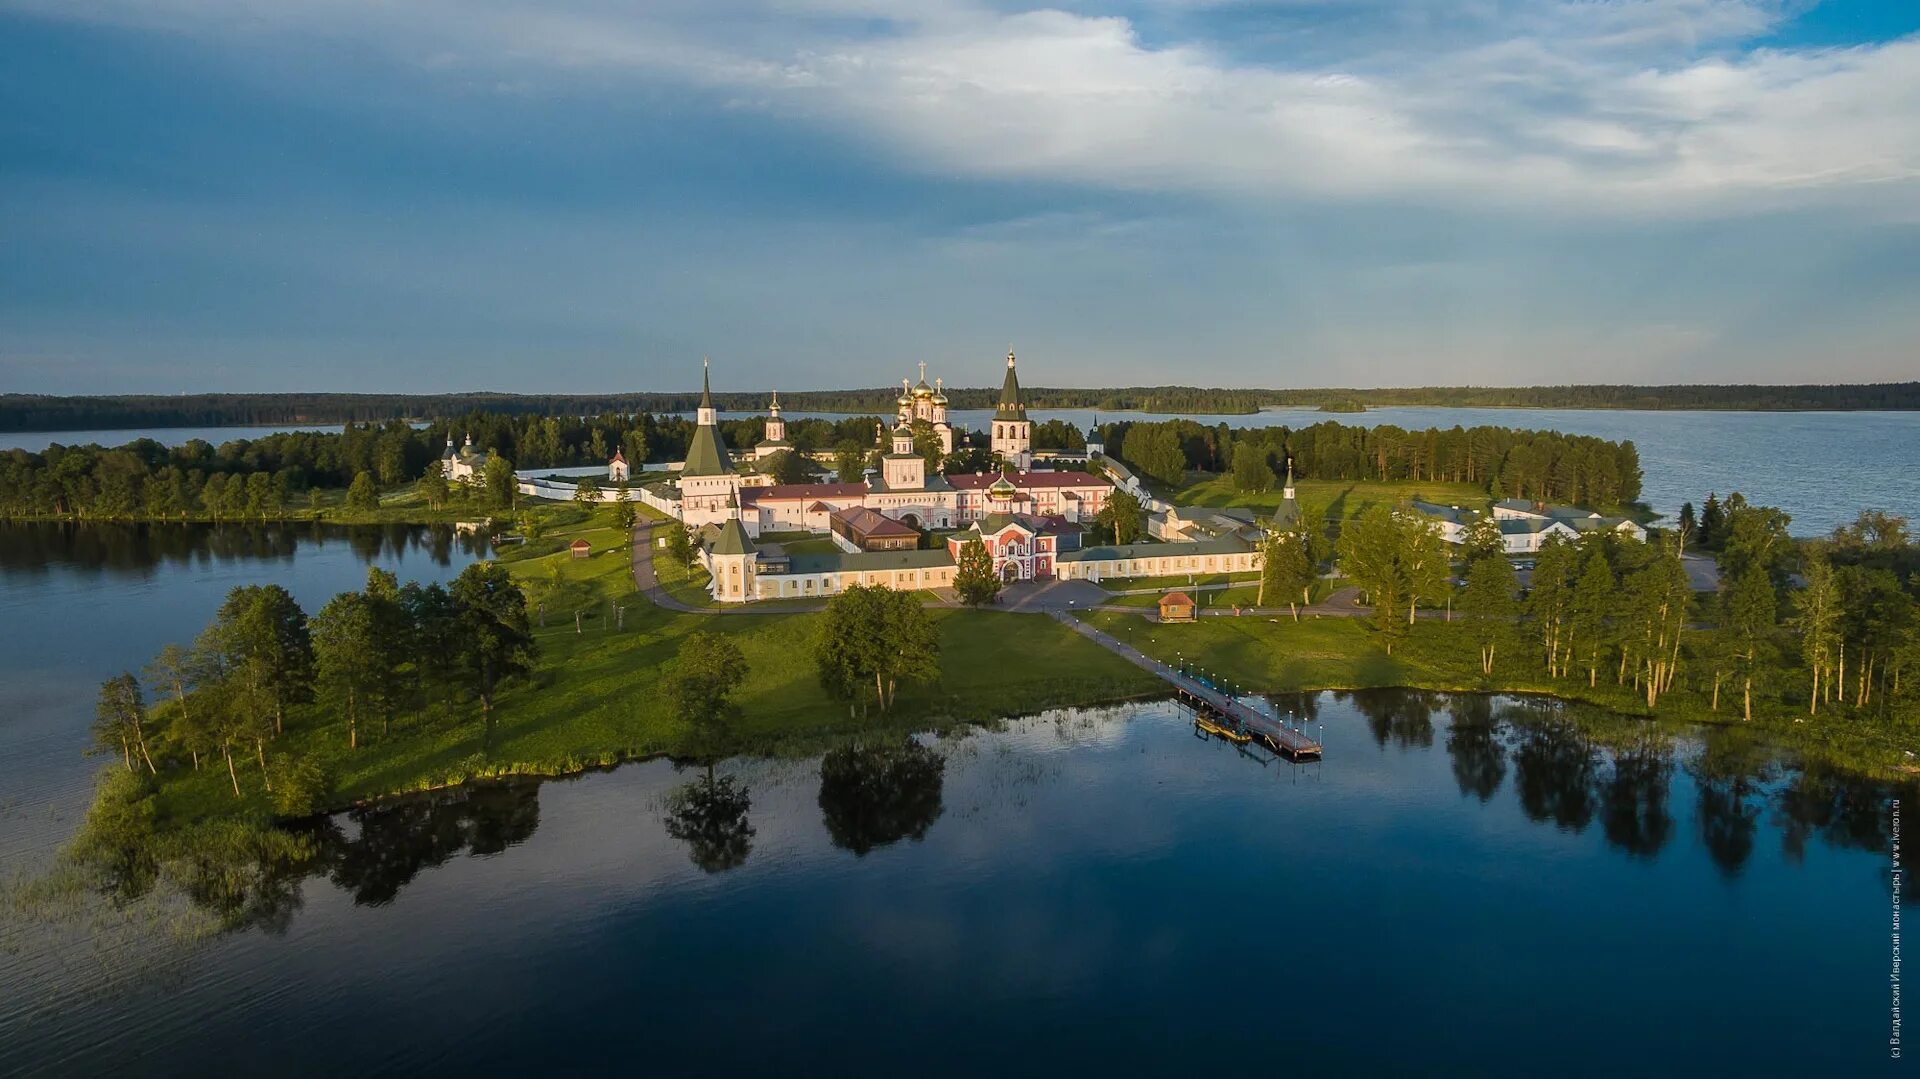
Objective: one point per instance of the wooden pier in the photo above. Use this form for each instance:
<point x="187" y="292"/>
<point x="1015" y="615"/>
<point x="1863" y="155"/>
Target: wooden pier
<point x="1217" y="710"/>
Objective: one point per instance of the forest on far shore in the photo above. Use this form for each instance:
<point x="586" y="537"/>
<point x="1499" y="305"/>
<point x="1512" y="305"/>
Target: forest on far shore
<point x="42" y="412"/>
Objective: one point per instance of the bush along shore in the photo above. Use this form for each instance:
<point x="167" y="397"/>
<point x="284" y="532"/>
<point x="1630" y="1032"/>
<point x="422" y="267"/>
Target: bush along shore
<point x="545" y="663"/>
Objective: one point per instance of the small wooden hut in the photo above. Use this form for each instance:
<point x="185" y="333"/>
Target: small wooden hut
<point x="1176" y="607"/>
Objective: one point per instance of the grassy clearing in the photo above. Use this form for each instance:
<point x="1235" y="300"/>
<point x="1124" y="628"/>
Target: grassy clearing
<point x="1339" y="499"/>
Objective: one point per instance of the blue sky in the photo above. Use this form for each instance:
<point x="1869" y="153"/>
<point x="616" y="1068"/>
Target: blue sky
<point x="589" y="196"/>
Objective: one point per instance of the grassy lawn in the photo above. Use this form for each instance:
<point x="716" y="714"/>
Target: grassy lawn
<point x="1340" y="499"/>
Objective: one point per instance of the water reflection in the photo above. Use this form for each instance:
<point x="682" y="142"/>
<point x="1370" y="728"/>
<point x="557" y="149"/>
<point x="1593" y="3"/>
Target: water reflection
<point x="1842" y="811"/>
<point x="871" y="796"/>
<point x="1554" y="768"/>
<point x="1473" y="743"/>
<point x="34" y="548"/>
<point x="710" y="816"/>
<point x="1401" y="716"/>
<point x="1570" y="767"/>
<point x="392" y="843"/>
<point x="1729" y="773"/>
<point x="1633" y="796"/>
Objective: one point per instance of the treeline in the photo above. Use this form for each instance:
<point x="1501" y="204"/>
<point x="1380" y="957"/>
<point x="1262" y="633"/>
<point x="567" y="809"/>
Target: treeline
<point x="42" y="412"/>
<point x="1543" y="465"/>
<point x="369" y="658"/>
<point x="1830" y="625"/>
<point x="270" y="477"/>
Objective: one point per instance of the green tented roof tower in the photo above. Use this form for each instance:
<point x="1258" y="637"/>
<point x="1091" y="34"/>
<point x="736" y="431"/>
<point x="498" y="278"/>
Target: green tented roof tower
<point x="733" y="539"/>
<point x="1010" y="406"/>
<point x="707" y="454"/>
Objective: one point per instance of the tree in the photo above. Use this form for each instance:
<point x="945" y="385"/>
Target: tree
<point x="260" y="635"/>
<point x="1816" y="617"/>
<point x="1876" y="615"/>
<point x="1424" y="562"/>
<point x="1489" y="605"/>
<point x="1748" y="619"/>
<point x="974" y="578"/>
<point x="1251" y="470"/>
<point x="500" y="485"/>
<point x="586" y="492"/>
<point x="363" y="495"/>
<point x="1657" y="599"/>
<point x="679" y="544"/>
<point x="176" y="670"/>
<point x="347" y="651"/>
<point x="1686" y="524"/>
<point x="1712" y="521"/>
<point x="850" y="461"/>
<point x="432" y="487"/>
<point x="872" y="633"/>
<point x="1483" y="539"/>
<point x="121" y="721"/>
<point x="624" y="515"/>
<point x="1591" y="603"/>
<point x="1369" y="550"/>
<point x="1121" y="516"/>
<point x="700" y="683"/>
<point x="493" y="641"/>
<point x="1755" y="535"/>
<point x="1549" y="601"/>
<point x="786" y="466"/>
<point x="1313" y="529"/>
<point x="1285" y="571"/>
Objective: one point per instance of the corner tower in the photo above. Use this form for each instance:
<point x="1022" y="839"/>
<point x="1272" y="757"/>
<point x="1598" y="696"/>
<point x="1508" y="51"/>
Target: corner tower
<point x="1012" y="440"/>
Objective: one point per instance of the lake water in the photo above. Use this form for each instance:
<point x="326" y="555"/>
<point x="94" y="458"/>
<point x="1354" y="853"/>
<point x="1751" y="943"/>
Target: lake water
<point x="1821" y="467"/>
<point x="1467" y="886"/>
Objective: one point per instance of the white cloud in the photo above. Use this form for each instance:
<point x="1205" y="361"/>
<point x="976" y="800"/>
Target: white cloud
<point x="1633" y="107"/>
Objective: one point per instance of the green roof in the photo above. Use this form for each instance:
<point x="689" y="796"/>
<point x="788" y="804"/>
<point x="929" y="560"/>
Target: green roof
<point x="732" y="539"/>
<point x="707" y="454"/>
<point x="836" y="561"/>
<point x="1224" y="545"/>
<point x="1010" y="407"/>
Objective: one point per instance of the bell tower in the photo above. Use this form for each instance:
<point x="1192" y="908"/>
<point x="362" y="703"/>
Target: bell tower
<point x="1012" y="439"/>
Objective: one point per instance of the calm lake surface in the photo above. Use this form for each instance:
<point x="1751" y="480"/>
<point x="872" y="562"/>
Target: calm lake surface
<point x="1821" y="467"/>
<point x="1468" y="885"/>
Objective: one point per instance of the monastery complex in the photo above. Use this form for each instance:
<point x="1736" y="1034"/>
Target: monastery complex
<point x="904" y="527"/>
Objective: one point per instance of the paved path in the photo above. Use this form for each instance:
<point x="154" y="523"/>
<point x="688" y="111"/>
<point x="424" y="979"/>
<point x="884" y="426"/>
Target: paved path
<point x="649" y="584"/>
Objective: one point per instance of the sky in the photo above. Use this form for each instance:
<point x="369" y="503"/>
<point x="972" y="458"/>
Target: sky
<point x="589" y="195"/>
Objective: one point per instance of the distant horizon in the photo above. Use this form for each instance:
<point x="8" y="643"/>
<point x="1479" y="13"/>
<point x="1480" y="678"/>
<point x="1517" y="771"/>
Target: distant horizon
<point x="1036" y="386"/>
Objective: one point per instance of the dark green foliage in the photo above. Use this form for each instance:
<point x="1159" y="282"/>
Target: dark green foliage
<point x="492" y="640"/>
<point x="973" y="578"/>
<point x="1252" y="471"/>
<point x="362" y="495"/>
<point x="1122" y="518"/>
<point x="701" y="682"/>
<point x="873" y="636"/>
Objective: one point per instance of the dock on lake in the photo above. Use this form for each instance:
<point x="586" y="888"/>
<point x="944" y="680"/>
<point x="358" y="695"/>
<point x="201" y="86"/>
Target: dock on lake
<point x="1199" y="693"/>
